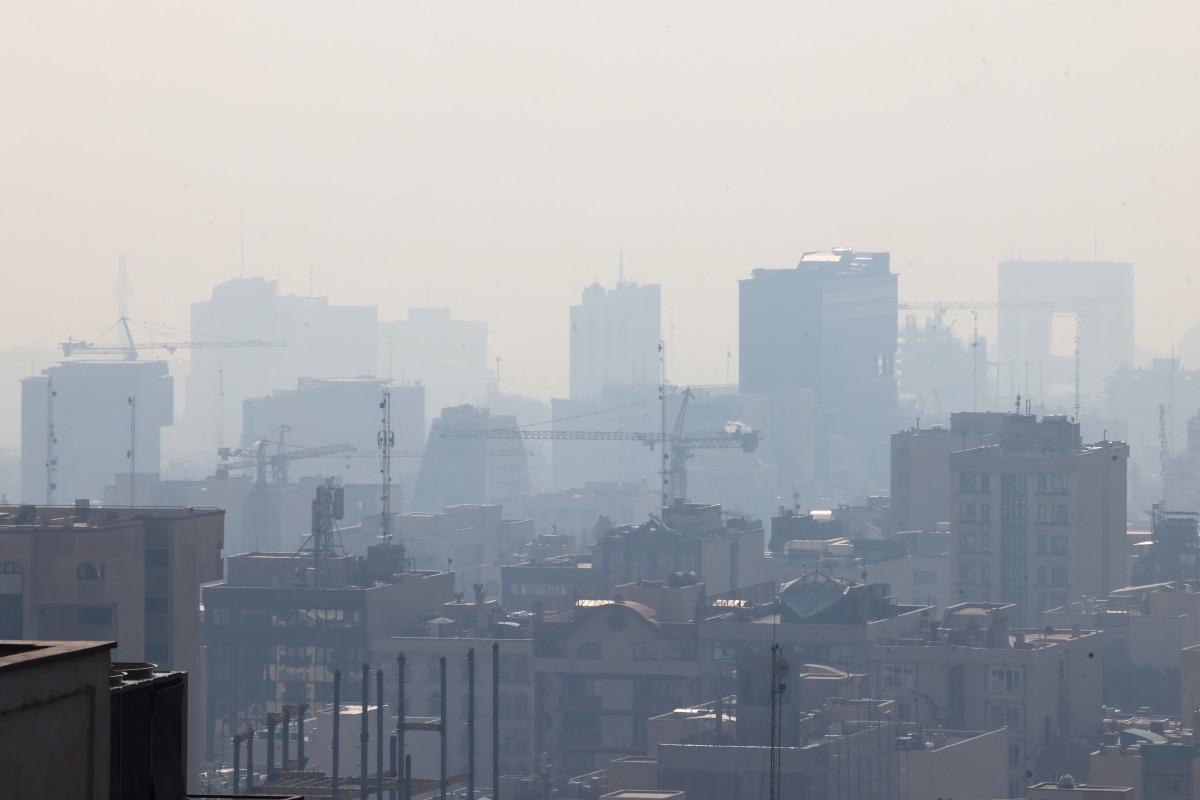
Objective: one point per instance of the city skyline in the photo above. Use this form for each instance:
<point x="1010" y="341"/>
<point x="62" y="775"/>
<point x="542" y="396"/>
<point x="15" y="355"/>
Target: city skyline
<point x="364" y="150"/>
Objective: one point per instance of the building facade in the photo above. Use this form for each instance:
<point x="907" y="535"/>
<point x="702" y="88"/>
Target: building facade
<point x="1038" y="519"/>
<point x="78" y="416"/>
<point x="614" y="337"/>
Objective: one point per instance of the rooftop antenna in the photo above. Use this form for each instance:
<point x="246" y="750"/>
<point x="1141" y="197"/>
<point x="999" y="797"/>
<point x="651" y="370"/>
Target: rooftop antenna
<point x="51" y="444"/>
<point x="387" y="440"/>
<point x="779" y="670"/>
<point x="1018" y="404"/>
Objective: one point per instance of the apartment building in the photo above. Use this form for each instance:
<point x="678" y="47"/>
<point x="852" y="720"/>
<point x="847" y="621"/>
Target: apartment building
<point x="974" y="671"/>
<point x="281" y="623"/>
<point x="1038" y="518"/>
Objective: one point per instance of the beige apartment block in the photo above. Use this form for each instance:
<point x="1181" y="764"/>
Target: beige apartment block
<point x="1038" y="519"/>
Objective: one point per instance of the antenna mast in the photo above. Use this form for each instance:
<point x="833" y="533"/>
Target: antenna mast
<point x="779" y="670"/>
<point x="51" y="444"/>
<point x="387" y="440"/>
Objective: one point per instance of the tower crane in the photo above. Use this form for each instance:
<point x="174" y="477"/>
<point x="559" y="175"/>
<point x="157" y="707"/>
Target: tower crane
<point x="130" y="349"/>
<point x="735" y="435"/>
<point x="256" y="456"/>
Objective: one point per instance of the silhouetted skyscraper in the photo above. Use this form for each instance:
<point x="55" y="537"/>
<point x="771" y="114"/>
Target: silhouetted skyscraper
<point x="828" y="325"/>
<point x="614" y="337"/>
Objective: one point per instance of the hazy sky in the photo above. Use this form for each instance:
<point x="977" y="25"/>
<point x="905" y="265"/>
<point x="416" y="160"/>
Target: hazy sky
<point x="498" y="156"/>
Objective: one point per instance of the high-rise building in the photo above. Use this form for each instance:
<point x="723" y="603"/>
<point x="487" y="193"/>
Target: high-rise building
<point x="322" y="341"/>
<point x="921" y="493"/>
<point x="448" y="356"/>
<point x="1039" y="518"/>
<point x="462" y="465"/>
<point x="614" y="337"/>
<point x="829" y="326"/>
<point x="78" y="415"/>
<point x="321" y="412"/>
<point x="1045" y="308"/>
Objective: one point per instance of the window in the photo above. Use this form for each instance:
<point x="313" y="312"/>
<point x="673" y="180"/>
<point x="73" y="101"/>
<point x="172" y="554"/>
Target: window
<point x="1004" y="679"/>
<point x="985" y="541"/>
<point x="1005" y="717"/>
<point x="966" y="512"/>
<point x="589" y="651"/>
<point x="966" y="482"/>
<point x="86" y="572"/>
<point x="985" y="483"/>
<point x="1058" y="576"/>
<point x="1058" y="483"/>
<point x="966" y="543"/>
<point x="1041" y="543"/>
<point x="1058" y="515"/>
<point x="966" y="573"/>
<point x="1043" y="514"/>
<point x="985" y="573"/>
<point x="1043" y="483"/>
<point x="1058" y="545"/>
<point x="520" y="706"/>
<point x="1014" y="755"/>
<point x="897" y="676"/>
<point x="1041" y="580"/>
<point x="985" y="512"/>
<point x="644" y="651"/>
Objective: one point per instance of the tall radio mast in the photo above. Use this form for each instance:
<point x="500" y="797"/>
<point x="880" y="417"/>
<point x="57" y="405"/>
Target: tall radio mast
<point x="387" y="440"/>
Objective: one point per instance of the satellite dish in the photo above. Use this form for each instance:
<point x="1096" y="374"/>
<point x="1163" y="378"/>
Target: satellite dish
<point x="782" y="667"/>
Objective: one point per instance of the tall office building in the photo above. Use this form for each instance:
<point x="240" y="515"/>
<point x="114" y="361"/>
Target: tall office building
<point x="1039" y="518"/>
<point x="828" y="325"/>
<point x="614" y="337"/>
<point x="1043" y="305"/>
<point x="89" y="441"/>
<point x="446" y="355"/>
<point x="461" y="466"/>
<point x="322" y="341"/>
